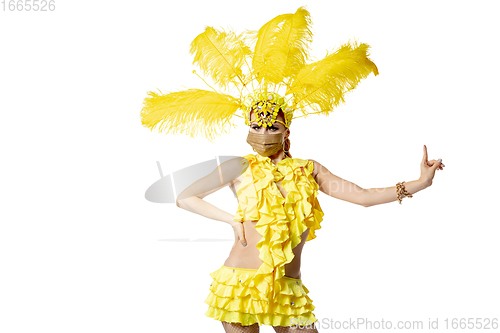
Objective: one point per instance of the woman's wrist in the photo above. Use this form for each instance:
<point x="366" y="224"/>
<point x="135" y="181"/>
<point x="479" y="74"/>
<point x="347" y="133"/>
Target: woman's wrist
<point x="232" y="222"/>
<point x="424" y="182"/>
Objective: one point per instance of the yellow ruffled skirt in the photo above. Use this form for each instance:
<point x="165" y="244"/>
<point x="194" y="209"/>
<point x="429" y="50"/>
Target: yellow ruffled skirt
<point x="231" y="299"/>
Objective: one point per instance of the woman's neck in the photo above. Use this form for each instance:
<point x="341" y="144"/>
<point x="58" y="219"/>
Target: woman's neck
<point x="278" y="157"/>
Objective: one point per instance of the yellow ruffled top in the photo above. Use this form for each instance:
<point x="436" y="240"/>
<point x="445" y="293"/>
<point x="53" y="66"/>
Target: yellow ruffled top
<point x="281" y="221"/>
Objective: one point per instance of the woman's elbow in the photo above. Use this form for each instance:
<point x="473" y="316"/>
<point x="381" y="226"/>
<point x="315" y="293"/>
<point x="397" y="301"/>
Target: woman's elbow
<point x="363" y="201"/>
<point x="181" y="199"/>
<point x="181" y="203"/>
<point x="364" y="204"/>
<point x="185" y="203"/>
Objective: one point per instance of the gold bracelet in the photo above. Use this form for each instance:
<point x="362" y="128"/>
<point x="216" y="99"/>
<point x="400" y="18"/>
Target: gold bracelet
<point x="401" y="191"/>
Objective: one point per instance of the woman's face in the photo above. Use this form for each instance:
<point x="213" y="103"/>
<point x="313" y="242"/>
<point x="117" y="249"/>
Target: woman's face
<point x="276" y="128"/>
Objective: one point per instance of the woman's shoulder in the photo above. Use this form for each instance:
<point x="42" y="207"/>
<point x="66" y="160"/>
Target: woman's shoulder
<point x="314" y="166"/>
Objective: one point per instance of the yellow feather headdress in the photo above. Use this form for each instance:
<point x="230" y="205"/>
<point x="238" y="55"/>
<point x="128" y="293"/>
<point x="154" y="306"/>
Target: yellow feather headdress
<point x="273" y="76"/>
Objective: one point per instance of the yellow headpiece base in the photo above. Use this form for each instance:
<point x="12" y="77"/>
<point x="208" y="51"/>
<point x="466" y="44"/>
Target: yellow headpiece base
<point x="266" y="106"/>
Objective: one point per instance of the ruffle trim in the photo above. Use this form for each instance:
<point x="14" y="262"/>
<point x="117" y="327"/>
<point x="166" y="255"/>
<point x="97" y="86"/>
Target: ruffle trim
<point x="232" y="299"/>
<point x="281" y="221"/>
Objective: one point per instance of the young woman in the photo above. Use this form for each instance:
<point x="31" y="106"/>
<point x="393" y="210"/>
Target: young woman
<point x="260" y="282"/>
<point x="240" y="296"/>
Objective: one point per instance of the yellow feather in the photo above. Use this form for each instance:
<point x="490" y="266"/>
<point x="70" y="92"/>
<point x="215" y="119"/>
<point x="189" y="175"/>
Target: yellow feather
<point x="193" y="112"/>
<point x="282" y="47"/>
<point x="281" y="50"/>
<point x="220" y="55"/>
<point x="323" y="84"/>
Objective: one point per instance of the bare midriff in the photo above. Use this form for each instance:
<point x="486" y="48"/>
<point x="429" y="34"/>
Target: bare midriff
<point x="248" y="256"/>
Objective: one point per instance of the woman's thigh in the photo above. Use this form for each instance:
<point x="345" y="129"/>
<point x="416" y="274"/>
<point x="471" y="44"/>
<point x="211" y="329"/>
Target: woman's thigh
<point x="238" y="328"/>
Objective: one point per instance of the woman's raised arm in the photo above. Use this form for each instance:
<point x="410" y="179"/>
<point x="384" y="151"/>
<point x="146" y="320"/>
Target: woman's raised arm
<point x="345" y="190"/>
<point x="337" y="187"/>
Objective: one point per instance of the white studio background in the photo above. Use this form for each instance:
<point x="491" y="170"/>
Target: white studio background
<point x="82" y="250"/>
